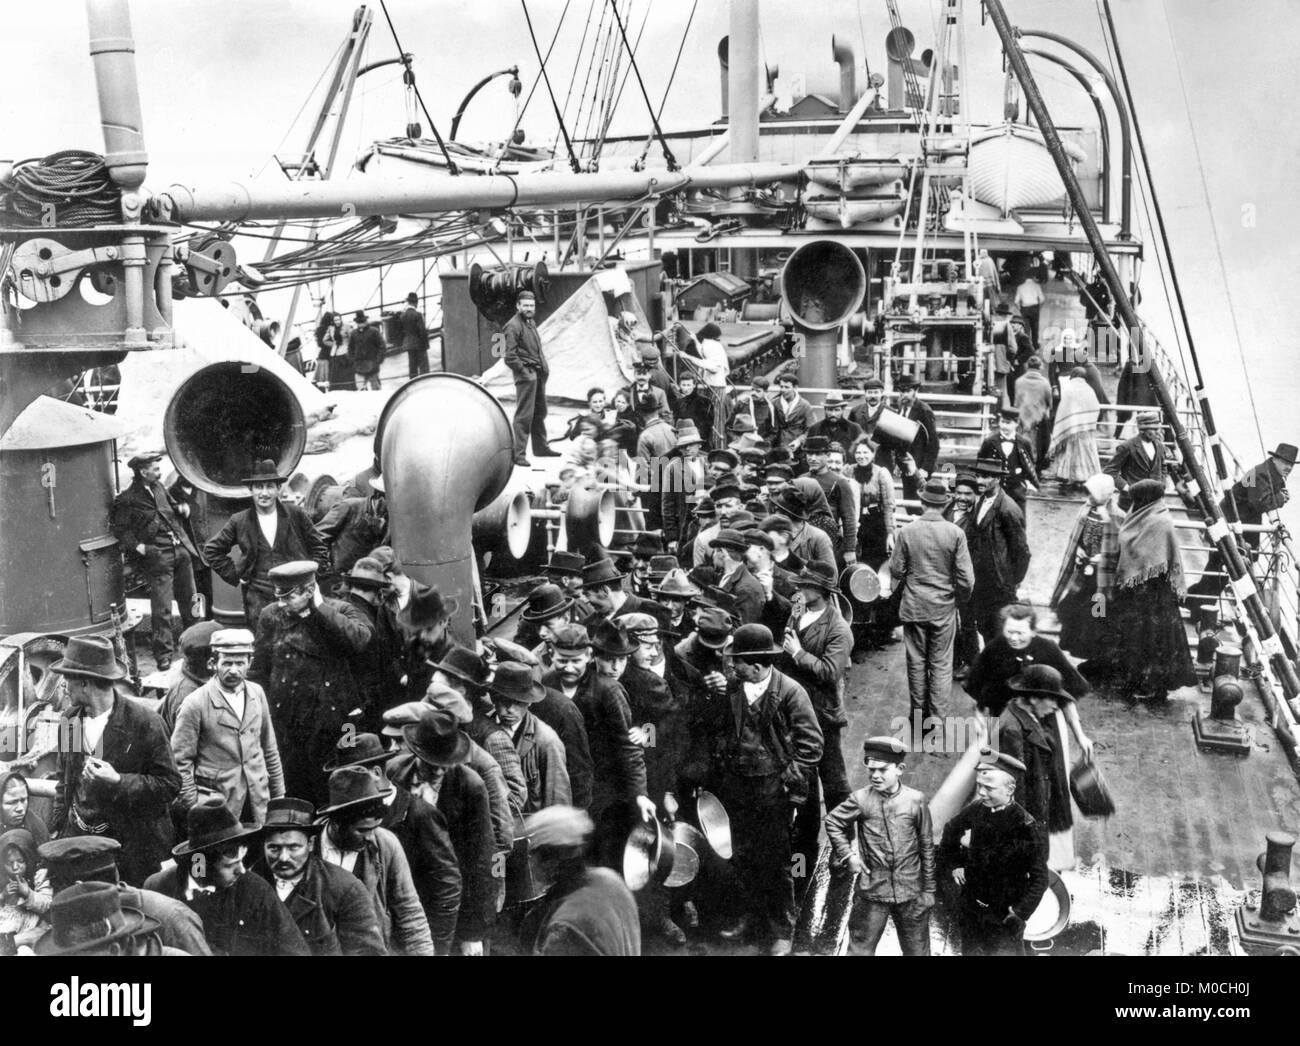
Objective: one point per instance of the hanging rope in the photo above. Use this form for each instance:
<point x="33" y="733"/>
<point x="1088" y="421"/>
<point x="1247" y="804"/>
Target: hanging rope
<point x="573" y="159"/>
<point x="668" y="153"/>
<point x="521" y="109"/>
<point x="409" y="78"/>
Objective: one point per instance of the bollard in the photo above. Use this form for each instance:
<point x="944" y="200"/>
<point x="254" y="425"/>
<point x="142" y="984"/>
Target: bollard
<point x="1271" y="926"/>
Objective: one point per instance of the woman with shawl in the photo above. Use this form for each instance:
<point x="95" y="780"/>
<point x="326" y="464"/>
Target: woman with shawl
<point x="1074" y="437"/>
<point x="1034" y="398"/>
<point x="1147" y="643"/>
<point x="1074" y="598"/>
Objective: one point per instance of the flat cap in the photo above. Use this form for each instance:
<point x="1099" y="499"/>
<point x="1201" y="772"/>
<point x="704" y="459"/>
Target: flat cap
<point x="80" y="856"/>
<point x="147" y="458"/>
<point x="197" y="639"/>
<point x="994" y="760"/>
<point x="233" y="641"/>
<point x="887" y="749"/>
<point x="290" y="575"/>
<point x="570" y="637"/>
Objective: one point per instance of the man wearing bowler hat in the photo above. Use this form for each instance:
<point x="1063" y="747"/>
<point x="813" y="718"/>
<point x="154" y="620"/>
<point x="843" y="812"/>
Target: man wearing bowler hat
<point x="883" y="836"/>
<point x="602" y="583"/>
<point x="332" y="909"/>
<point x="223" y="742"/>
<point x="241" y="913"/>
<point x="734" y="578"/>
<point x="999" y="549"/>
<point x="355" y="840"/>
<point x="766" y="745"/>
<point x="425" y="623"/>
<point x="932" y="564"/>
<point x="116" y="774"/>
<point x="565" y="569"/>
<point x="377" y="668"/>
<point x="266" y="535"/>
<point x="924" y="450"/>
<point x="366" y="351"/>
<point x="1002" y="872"/>
<point x="548" y="607"/>
<point x="306" y="643"/>
<point x="151" y="532"/>
<point x="1262" y="489"/>
<point x="834" y="426"/>
<point x="1138" y="458"/>
<point x="1020" y="477"/>
<point x="541" y="753"/>
<point x="524" y="356"/>
<point x="415" y="337"/>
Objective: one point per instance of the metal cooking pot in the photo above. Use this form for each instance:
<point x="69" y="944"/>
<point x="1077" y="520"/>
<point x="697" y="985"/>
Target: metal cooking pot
<point x="648" y="855"/>
<point x="714" y="823"/>
<point x="686" y="861"/>
<point x="524" y="879"/>
<point x="861" y="582"/>
<point x="895" y="431"/>
<point x="1053" y="912"/>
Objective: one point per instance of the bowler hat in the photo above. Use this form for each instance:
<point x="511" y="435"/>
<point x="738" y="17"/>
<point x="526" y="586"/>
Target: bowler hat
<point x="886" y="749"/>
<point x="647" y="545"/>
<point x="566" y="564"/>
<point x="611" y="640"/>
<point x="935" y="492"/>
<point x="232" y="641"/>
<point x="265" y="471"/>
<point x="90" y="656"/>
<point x="358" y="750"/>
<point x="289" y="814"/>
<point x="833" y="399"/>
<point x="514" y="681"/>
<point x="90" y="915"/>
<point x="463" y="664"/>
<point x="687" y="433"/>
<point x="210" y="824"/>
<point x="354" y="793"/>
<point x="1040" y="681"/>
<point x="140" y="461"/>
<point x="662" y="565"/>
<point x="818" y="575"/>
<point x="754" y="643"/>
<point x="713" y="628"/>
<point x="80" y="857"/>
<point x="436" y="739"/>
<point x="990" y="467"/>
<point x="1285" y="452"/>
<point x="196" y="641"/>
<point x="601" y="572"/>
<point x="991" y="759"/>
<point x="426" y="608"/>
<point x="367" y="573"/>
<point x="292" y="574"/>
<point x="907" y="381"/>
<point x="1009" y="413"/>
<point x="817" y="445"/>
<point x="359" y="316"/>
<point x="676" y="584"/>
<point x="729" y="539"/>
<point x="545" y="602"/>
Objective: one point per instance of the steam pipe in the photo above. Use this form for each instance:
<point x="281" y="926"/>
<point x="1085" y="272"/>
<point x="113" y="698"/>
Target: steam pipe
<point x="243" y="201"/>
<point x="1239" y="569"/>
<point x="446" y="450"/>
<point x="112" y="51"/>
<point x="722" y="67"/>
<point x="1126" y="136"/>
<point x="1102" y="122"/>
<point x="842" y="52"/>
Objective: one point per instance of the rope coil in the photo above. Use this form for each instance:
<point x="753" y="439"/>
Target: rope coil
<point x="68" y="188"/>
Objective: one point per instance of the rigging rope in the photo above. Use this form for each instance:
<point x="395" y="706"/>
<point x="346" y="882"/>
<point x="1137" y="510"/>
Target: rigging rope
<point x="668" y="153"/>
<point x="671" y="77"/>
<point x="520" y="110"/>
<point x="573" y="159"/>
<point x="409" y="77"/>
<point x="618" y="95"/>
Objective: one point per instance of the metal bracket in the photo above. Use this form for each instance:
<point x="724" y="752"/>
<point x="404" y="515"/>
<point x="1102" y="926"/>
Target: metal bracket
<point x="210" y="263"/>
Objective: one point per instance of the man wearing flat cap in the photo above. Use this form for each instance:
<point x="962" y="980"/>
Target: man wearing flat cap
<point x="882" y="834"/>
<point x="303" y="657"/>
<point x="377" y="668"/>
<point x="150" y="530"/>
<point x="196" y="652"/>
<point x="1140" y="457"/>
<point x="1002" y="873"/>
<point x="223" y="742"/>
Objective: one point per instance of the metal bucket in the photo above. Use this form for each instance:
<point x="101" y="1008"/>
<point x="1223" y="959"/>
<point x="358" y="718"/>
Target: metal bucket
<point x="894" y="430"/>
<point x="860" y="582"/>
<point x="1227" y="661"/>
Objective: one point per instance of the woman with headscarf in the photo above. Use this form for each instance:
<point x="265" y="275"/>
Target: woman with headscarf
<point x="1034" y="398"/>
<point x="15" y="807"/>
<point x="1147" y="648"/>
<point x="1074" y="598"/>
<point x="1074" y="436"/>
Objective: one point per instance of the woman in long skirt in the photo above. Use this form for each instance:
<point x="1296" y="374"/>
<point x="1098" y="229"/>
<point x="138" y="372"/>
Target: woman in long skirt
<point x="875" y="488"/>
<point x="1148" y="648"/>
<point x="1074" y="598"/>
<point x="1074" y="436"/>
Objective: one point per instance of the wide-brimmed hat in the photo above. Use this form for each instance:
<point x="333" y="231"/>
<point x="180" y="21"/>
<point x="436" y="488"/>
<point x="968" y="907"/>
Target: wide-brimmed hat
<point x="1040" y="681"/>
<point x="545" y="602"/>
<point x="436" y="739"/>
<point x="90" y="656"/>
<point x="790" y="503"/>
<point x="935" y="492"/>
<point x="834" y="399"/>
<point x="1284" y="452"/>
<point x="90" y="915"/>
<point x="354" y="792"/>
<point x="514" y="681"/>
<point x="265" y="471"/>
<point x="741" y="424"/>
<point x="288" y="814"/>
<point x="426" y="608"/>
<point x="367" y="573"/>
<point x="677" y="585"/>
<point x="989" y="467"/>
<point x="210" y="824"/>
<point x="749" y="443"/>
<point x="688" y="433"/>
<point x="819" y="575"/>
<point x="704" y="507"/>
<point x="568" y="564"/>
<point x="601" y="572"/>
<point x="358" y="750"/>
<point x="713" y="628"/>
<point x="754" y="642"/>
<point x="730" y="539"/>
<point x="611" y="640"/>
<point x="463" y="664"/>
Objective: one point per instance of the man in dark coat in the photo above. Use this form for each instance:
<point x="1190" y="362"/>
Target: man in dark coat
<point x="602" y="584"/>
<point x="1262" y="489"/>
<point x="766" y="745"/>
<point x="734" y="578"/>
<point x="524" y="356"/>
<point x="839" y="495"/>
<point x="151" y="532"/>
<point x="682" y="480"/>
<point x="1027" y="730"/>
<point x="867" y="413"/>
<point x="241" y="913"/>
<point x="415" y="337"/>
<point x="925" y="447"/>
<point x="376" y="669"/>
<point x="1003" y="871"/>
<point x="266" y="535"/>
<point x="1017" y="457"/>
<point x="834" y="426"/>
<point x="354" y="527"/>
<point x="303" y="659"/>
<point x="366" y="351"/>
<point x="116" y="775"/>
<point x="192" y="504"/>
<point x="1138" y="458"/>
<point x="999" y="549"/>
<point x="694" y="405"/>
<point x="792" y="415"/>
<point x="332" y="909"/>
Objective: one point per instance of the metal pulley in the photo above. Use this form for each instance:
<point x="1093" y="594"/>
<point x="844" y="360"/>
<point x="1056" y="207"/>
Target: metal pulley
<point x="47" y="270"/>
<point x="210" y="263"/>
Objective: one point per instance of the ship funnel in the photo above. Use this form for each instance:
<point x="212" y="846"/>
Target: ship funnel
<point x="722" y="66"/>
<point x="842" y="52"/>
<point x="446" y="452"/>
<point x="823" y="284"/>
<point x="227" y="417"/>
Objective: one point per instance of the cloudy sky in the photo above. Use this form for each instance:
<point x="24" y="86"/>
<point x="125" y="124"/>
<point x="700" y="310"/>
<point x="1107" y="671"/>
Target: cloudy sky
<point x="224" y="83"/>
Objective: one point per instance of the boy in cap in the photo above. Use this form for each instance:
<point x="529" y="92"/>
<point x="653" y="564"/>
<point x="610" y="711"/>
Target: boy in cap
<point x="1002" y="873"/>
<point x="882" y="833"/>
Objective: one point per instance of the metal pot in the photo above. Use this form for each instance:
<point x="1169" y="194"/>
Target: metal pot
<point x="648" y="855"/>
<point x="524" y="879"/>
<point x="861" y="582"/>
<point x="714" y="823"/>
<point x="895" y="431"/>
<point x="1053" y="912"/>
<point x="1090" y="792"/>
<point x="686" y="861"/>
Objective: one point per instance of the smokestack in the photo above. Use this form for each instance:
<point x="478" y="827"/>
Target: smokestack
<point x="842" y="52"/>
